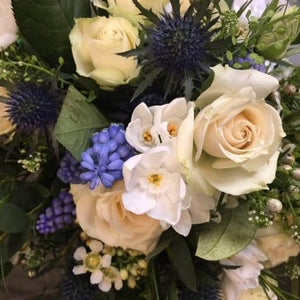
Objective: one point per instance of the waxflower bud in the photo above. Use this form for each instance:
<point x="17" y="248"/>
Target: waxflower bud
<point x="296" y="174"/>
<point x="290" y="90"/>
<point x="274" y="205"/>
<point x="277" y="37"/>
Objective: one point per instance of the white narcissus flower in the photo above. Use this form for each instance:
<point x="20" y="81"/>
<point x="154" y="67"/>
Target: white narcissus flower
<point x="245" y="276"/>
<point x="155" y="185"/>
<point x="237" y="135"/>
<point x="150" y="126"/>
<point x="92" y="261"/>
<point x="96" y="44"/>
<point x="8" y="27"/>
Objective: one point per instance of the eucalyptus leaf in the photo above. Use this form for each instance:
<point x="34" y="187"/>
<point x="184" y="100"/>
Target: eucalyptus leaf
<point x="13" y="219"/>
<point x="46" y="25"/>
<point x="221" y="240"/>
<point x="77" y="122"/>
<point x="181" y="259"/>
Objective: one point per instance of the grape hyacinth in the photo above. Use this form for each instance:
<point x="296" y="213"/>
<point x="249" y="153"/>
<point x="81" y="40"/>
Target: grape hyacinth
<point x="70" y="169"/>
<point x="250" y="62"/>
<point x="203" y="292"/>
<point x="103" y="162"/>
<point x="61" y="213"/>
<point x="33" y="107"/>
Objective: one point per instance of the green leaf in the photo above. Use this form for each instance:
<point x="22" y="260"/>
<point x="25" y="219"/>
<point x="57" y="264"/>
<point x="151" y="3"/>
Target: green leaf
<point x="164" y="242"/>
<point x="12" y="244"/>
<point x="12" y="218"/>
<point x="46" y="25"/>
<point x="231" y="235"/>
<point x="180" y="257"/>
<point x="152" y="17"/>
<point x="77" y="122"/>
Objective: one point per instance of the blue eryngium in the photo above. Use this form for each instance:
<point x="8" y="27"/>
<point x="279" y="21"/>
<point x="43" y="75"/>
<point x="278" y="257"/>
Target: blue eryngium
<point x="179" y="44"/>
<point x="103" y="162"/>
<point x="33" y="106"/>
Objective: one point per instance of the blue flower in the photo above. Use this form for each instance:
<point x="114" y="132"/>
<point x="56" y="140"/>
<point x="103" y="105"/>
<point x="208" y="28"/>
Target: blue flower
<point x="103" y="162"/>
<point x="33" y="107"/>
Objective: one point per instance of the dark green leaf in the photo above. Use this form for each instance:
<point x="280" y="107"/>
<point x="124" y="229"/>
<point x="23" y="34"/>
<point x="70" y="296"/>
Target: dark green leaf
<point x="180" y="257"/>
<point x="152" y="17"/>
<point x="13" y="219"/>
<point x="12" y="244"/>
<point x="5" y="269"/>
<point x="229" y="3"/>
<point x="77" y="122"/>
<point x="220" y="240"/>
<point x="164" y="242"/>
<point x="46" y="25"/>
<point x="176" y="7"/>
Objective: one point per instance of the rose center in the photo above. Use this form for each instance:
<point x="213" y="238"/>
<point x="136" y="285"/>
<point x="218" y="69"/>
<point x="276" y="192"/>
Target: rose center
<point x="92" y="261"/>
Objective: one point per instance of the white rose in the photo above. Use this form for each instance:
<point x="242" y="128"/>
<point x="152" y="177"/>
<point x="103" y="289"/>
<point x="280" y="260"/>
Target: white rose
<point x="101" y="215"/>
<point x="128" y="10"/>
<point x="8" y="27"/>
<point x="96" y="43"/>
<point x="237" y="135"/>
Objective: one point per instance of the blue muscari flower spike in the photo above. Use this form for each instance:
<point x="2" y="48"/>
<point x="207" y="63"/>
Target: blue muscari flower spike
<point x="70" y="169"/>
<point x="179" y="44"/>
<point x="33" y="107"/>
<point x="61" y="213"/>
<point x="103" y="161"/>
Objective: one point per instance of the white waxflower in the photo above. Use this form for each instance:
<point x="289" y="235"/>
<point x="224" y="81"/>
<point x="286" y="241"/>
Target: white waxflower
<point x="245" y="276"/>
<point x="92" y="261"/>
<point x="150" y="126"/>
<point x="111" y="276"/>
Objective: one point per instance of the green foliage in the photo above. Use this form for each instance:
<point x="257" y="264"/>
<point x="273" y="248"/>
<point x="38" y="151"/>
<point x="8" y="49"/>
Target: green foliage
<point x="220" y="240"/>
<point x="12" y="218"/>
<point x="46" y="25"/>
<point x="180" y="257"/>
<point x="77" y="122"/>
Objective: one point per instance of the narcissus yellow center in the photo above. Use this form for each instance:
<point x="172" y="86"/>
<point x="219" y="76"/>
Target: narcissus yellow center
<point x="155" y="179"/>
<point x="173" y="129"/>
<point x="147" y="136"/>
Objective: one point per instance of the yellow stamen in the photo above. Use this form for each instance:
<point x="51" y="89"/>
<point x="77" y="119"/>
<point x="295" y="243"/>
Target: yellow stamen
<point x="92" y="261"/>
<point x="155" y="179"/>
<point x="173" y="129"/>
<point x="147" y="136"/>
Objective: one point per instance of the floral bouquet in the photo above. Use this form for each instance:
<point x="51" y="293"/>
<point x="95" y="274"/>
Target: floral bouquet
<point x="150" y="149"/>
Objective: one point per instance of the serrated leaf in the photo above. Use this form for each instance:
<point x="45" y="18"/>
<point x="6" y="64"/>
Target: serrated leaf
<point x="221" y="240"/>
<point x="152" y="17"/>
<point x="13" y="219"/>
<point x="77" y="122"/>
<point x="181" y="259"/>
<point x="46" y="25"/>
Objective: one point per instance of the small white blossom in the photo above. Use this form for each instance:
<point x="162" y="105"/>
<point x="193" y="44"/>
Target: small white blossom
<point x="92" y="261"/>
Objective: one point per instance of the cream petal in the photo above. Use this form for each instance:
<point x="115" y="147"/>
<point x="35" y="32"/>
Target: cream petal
<point x="95" y="246"/>
<point x="105" y="284"/>
<point x="139" y="201"/>
<point x="106" y="260"/>
<point x="96" y="277"/>
<point x="80" y="269"/>
<point x="239" y="181"/>
<point x="227" y="80"/>
<point x="184" y="225"/>
<point x="80" y="254"/>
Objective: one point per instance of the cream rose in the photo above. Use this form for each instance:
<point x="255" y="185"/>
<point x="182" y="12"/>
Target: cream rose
<point x="128" y="10"/>
<point x="6" y="127"/>
<point x="96" y="43"/>
<point x="8" y="27"/>
<point x="237" y="135"/>
<point x="101" y="215"/>
<point x="277" y="245"/>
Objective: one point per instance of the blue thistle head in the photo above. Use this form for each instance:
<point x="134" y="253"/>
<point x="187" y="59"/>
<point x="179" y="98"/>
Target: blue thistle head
<point x="179" y="44"/>
<point x="103" y="162"/>
<point x="33" y="107"/>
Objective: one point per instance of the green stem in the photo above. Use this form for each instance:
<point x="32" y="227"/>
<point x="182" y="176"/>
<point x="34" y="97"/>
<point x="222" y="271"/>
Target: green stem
<point x="39" y="68"/>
